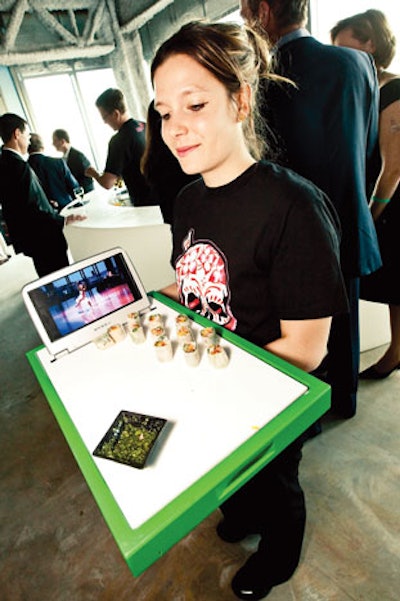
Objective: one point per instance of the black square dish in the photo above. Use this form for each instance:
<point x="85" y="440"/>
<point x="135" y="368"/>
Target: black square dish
<point x="130" y="438"/>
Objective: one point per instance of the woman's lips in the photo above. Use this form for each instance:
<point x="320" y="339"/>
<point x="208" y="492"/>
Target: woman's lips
<point x="185" y="150"/>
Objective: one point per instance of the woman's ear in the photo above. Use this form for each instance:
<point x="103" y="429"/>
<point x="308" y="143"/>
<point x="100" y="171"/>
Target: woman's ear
<point x="264" y="13"/>
<point x="244" y="102"/>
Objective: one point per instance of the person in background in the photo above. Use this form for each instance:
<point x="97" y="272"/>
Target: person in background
<point x="255" y="249"/>
<point x="4" y="256"/>
<point x="326" y="125"/>
<point x="370" y="31"/>
<point x="160" y="168"/>
<point x="54" y="174"/>
<point x="76" y="161"/>
<point x="5" y="240"/>
<point x="35" y="227"/>
<point x="125" y="149"/>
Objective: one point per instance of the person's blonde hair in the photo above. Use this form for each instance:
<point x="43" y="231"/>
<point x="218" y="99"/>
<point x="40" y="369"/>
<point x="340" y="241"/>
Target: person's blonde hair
<point x="235" y="54"/>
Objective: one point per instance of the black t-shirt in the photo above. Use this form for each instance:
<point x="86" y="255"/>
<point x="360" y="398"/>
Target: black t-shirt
<point x="262" y="248"/>
<point x="125" y="150"/>
<point x="78" y="163"/>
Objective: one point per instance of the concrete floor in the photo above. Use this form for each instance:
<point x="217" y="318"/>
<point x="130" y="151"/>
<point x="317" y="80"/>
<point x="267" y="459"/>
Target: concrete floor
<point x="55" y="546"/>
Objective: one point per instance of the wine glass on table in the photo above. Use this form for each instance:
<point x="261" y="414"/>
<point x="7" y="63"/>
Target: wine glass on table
<point x="78" y="207"/>
<point x="79" y="193"/>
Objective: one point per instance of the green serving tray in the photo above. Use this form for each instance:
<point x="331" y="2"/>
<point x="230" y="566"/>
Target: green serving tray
<point x="143" y="545"/>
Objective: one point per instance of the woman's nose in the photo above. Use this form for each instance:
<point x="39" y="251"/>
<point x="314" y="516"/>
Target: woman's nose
<point x="176" y="126"/>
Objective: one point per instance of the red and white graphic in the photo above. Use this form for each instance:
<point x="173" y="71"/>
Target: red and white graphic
<point x="203" y="281"/>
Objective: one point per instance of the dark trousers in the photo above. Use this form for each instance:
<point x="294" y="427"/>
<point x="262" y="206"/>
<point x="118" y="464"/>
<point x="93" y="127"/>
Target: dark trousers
<point x="49" y="261"/>
<point x="343" y="360"/>
<point x="272" y="504"/>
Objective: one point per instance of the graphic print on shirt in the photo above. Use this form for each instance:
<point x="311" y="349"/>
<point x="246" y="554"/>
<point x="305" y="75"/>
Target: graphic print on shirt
<point x="203" y="281"/>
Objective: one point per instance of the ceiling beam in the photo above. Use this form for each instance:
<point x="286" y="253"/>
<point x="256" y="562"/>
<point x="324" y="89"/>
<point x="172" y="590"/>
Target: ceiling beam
<point x="93" y="21"/>
<point x="51" y="23"/>
<point x="17" y="16"/>
<point x="11" y="59"/>
<point x="72" y="20"/>
<point x="145" y="16"/>
<point x="7" y="5"/>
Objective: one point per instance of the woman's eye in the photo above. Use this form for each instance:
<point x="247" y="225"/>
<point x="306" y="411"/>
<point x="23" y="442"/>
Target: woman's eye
<point x="164" y="117"/>
<point x="197" y="107"/>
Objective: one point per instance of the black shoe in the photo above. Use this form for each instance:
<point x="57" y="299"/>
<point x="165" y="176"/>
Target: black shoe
<point x="231" y="533"/>
<point x="251" y="581"/>
<point x="373" y="374"/>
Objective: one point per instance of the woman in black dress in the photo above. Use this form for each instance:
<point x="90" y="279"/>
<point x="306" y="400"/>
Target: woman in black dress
<point x="369" y="31"/>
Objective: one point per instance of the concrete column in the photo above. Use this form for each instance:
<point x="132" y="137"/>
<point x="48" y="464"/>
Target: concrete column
<point x="129" y="68"/>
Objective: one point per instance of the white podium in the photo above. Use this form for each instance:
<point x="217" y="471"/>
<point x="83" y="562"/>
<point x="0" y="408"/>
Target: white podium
<point x="138" y="230"/>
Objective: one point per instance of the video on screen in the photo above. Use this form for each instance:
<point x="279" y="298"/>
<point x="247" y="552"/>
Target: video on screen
<point x="85" y="296"/>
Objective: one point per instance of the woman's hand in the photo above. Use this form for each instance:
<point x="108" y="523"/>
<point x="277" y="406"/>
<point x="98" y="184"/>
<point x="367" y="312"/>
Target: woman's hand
<point x="73" y="218"/>
<point x="171" y="291"/>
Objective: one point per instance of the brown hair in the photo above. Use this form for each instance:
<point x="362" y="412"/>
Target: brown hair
<point x="112" y="100"/>
<point x="286" y="12"/>
<point x="236" y="55"/>
<point x="35" y="144"/>
<point x="370" y="25"/>
<point x="61" y="134"/>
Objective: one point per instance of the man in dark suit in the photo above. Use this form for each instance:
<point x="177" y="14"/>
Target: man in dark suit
<point x="75" y="159"/>
<point x="54" y="174"/>
<point x="326" y="127"/>
<point x="35" y="227"/>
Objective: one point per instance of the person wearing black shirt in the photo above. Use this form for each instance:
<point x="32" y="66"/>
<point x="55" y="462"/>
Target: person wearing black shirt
<point x="76" y="161"/>
<point x="125" y="149"/>
<point x="255" y="250"/>
<point x="370" y="32"/>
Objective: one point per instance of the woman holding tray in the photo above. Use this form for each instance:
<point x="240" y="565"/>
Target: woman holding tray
<point x="255" y="249"/>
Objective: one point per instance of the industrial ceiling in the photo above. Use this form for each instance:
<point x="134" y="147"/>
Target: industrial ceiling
<point x="42" y="31"/>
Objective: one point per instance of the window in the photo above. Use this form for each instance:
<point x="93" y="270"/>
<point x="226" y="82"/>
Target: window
<point x="67" y="101"/>
<point x="233" y="16"/>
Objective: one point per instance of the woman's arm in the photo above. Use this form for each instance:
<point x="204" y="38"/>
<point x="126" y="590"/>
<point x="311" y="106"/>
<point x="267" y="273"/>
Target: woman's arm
<point x="171" y="291"/>
<point x="303" y="342"/>
<point x="389" y="145"/>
